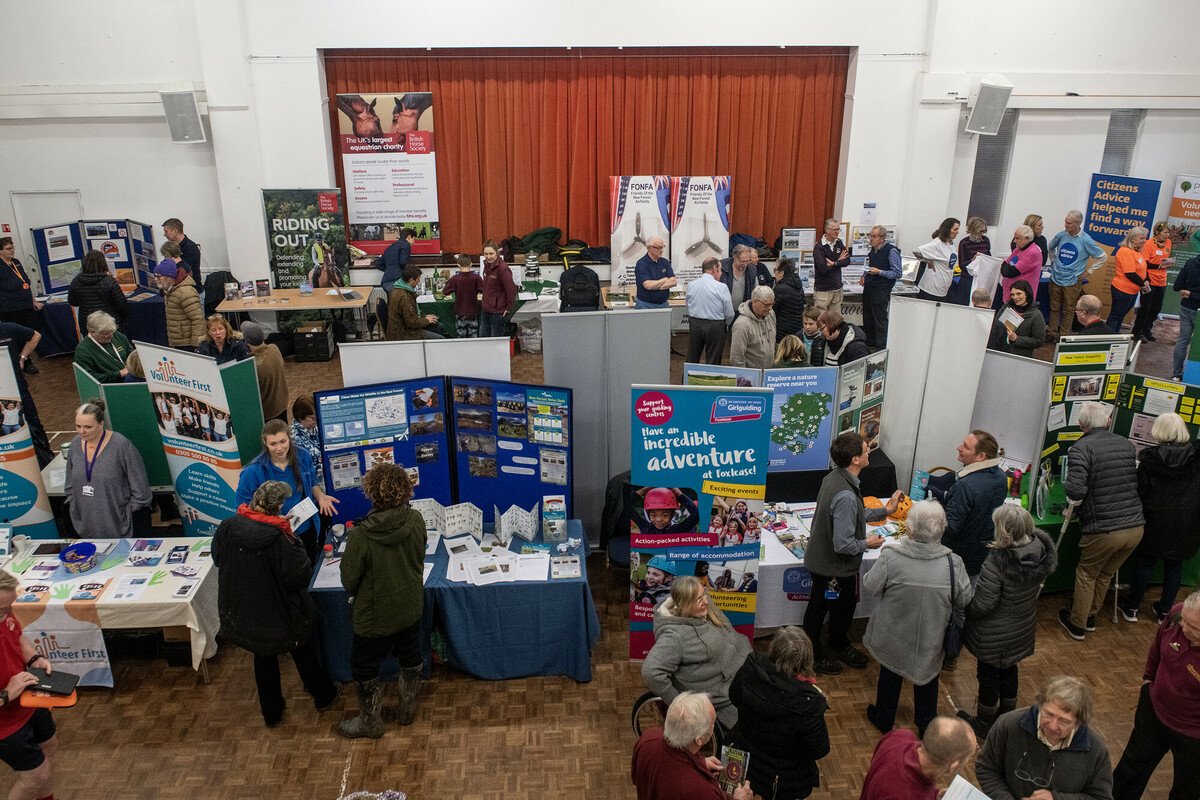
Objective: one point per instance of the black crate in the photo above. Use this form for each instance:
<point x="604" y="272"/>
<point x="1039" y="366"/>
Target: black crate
<point x="314" y="342"/>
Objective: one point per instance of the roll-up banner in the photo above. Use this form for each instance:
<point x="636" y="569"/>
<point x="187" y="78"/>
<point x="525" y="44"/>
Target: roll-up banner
<point x="306" y="237"/>
<point x="640" y="210"/>
<point x="24" y="503"/>
<point x="699" y="222"/>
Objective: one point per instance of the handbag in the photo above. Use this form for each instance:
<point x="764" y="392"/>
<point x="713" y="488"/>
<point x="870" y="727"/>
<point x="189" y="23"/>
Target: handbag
<point x="952" y="642"/>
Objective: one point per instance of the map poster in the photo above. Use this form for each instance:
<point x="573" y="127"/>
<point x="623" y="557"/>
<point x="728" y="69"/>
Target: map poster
<point x="386" y="142"/>
<point x="698" y="461"/>
<point x="801" y="417"/>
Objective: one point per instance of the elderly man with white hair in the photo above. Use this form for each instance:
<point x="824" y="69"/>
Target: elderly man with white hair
<point x="1071" y="253"/>
<point x="654" y="276"/>
<point x="752" y="341"/>
<point x="1102" y="479"/>
<point x="918" y="582"/>
<point x="666" y="761"/>
<point x="1023" y="263"/>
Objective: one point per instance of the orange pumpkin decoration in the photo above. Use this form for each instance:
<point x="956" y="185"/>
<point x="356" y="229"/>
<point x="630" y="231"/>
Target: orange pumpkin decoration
<point x="902" y="509"/>
<point x="871" y="501"/>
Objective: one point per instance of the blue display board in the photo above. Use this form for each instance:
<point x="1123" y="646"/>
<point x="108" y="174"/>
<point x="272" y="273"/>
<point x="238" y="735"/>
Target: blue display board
<point x="401" y="422"/>
<point x="512" y="443"/>
<point x="60" y="252"/>
<point x="143" y="255"/>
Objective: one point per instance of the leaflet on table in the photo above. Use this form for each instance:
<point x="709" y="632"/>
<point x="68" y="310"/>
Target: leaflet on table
<point x="516" y="522"/>
<point x="428" y="570"/>
<point x="554" y="518"/>
<point x="564" y="567"/>
<point x="450" y="520"/>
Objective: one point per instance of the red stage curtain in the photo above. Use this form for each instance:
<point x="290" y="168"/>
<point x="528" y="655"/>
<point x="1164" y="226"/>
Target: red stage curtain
<point x="529" y="138"/>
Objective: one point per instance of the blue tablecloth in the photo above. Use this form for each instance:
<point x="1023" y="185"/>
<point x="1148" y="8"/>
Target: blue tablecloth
<point x="147" y="323"/>
<point x="495" y="632"/>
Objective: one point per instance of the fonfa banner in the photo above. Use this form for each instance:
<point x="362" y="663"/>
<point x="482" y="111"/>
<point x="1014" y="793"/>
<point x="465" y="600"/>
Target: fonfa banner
<point x="197" y="434"/>
<point x="699" y="222"/>
<point x="699" y="470"/>
<point x="640" y="210"/>
<point x="23" y="500"/>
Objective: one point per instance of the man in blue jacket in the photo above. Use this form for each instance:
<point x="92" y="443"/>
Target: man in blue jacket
<point x="979" y="490"/>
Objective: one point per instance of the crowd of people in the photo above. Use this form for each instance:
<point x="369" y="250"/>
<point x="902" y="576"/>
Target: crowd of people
<point x="968" y="563"/>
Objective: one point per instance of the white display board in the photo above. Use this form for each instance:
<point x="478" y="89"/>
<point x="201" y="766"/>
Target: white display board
<point x="365" y="363"/>
<point x="936" y="353"/>
<point x="1013" y="393"/>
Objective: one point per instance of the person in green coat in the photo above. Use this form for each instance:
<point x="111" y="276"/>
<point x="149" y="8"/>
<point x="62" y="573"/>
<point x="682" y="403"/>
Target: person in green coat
<point x="104" y="351"/>
<point x="383" y="571"/>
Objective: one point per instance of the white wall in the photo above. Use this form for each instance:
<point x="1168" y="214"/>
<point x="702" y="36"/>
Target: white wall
<point x="259" y="63"/>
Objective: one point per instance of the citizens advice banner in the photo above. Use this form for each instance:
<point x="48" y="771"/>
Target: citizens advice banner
<point x="390" y="169"/>
<point x="699" y="467"/>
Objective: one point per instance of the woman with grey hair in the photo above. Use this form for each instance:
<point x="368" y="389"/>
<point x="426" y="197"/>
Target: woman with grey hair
<point x="781" y="717"/>
<point x="1169" y="485"/>
<point x="1130" y="278"/>
<point x="104" y="351"/>
<point x="1002" y="616"/>
<point x="263" y="601"/>
<point x="917" y="581"/>
<point x="94" y="289"/>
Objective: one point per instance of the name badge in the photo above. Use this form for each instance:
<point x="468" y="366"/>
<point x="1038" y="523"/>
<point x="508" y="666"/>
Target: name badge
<point x="89" y="490"/>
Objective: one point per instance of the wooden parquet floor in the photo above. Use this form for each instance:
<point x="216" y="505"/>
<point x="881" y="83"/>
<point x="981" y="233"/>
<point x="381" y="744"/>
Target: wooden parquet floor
<point x="164" y="734"/>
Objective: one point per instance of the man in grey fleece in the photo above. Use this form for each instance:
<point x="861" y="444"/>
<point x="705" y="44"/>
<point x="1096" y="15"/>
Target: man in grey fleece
<point x="834" y="555"/>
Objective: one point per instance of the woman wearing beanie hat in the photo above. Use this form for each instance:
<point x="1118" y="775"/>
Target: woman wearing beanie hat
<point x="185" y="315"/>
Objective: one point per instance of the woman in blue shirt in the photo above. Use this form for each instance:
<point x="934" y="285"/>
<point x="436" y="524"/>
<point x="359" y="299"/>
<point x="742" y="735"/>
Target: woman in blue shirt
<point x="281" y="461"/>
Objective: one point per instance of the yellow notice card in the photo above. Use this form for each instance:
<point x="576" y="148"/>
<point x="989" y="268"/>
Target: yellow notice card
<point x="737" y="491"/>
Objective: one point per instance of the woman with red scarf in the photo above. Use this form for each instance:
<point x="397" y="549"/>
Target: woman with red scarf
<point x="263" y="601"/>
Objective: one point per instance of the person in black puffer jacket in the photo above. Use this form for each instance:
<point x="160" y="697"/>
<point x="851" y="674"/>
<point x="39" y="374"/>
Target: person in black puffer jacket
<point x="1168" y="479"/>
<point x="1102" y="478"/>
<point x="789" y="300"/>
<point x="263" y="601"/>
<point x="93" y="289"/>
<point x="1002" y="617"/>
<point x="844" y="341"/>
<point x="781" y="717"/>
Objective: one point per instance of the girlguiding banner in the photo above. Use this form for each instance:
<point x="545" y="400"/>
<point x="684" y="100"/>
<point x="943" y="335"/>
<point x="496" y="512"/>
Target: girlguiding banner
<point x="197" y="434"/>
<point x="699" y="222"/>
<point x="23" y="500"/>
<point x="640" y="210"/>
<point x="699" y="468"/>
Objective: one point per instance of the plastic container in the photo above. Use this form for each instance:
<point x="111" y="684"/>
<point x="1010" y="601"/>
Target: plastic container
<point x="79" y="557"/>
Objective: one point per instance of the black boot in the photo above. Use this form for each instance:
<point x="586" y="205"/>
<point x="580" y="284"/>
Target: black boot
<point x="985" y="717"/>
<point x="368" y="724"/>
<point x="1007" y="704"/>
<point x="410" y="685"/>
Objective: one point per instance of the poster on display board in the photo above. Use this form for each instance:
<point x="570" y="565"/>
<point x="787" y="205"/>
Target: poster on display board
<point x="802" y="417"/>
<point x="1184" y="222"/>
<point x="1117" y="203"/>
<point x="404" y="422"/>
<point x="698" y="481"/>
<point x="1142" y="399"/>
<point x="699" y="221"/>
<point x="59" y="250"/>
<point x="390" y="169"/>
<point x="860" y="241"/>
<point x="1085" y="368"/>
<point x="640" y="210"/>
<point x="23" y="500"/>
<point x="196" y="422"/>
<point x="512" y="443"/>
<point x="721" y="375"/>
<point x="306" y="238"/>
<point x="797" y="244"/>
<point x="861" y="386"/>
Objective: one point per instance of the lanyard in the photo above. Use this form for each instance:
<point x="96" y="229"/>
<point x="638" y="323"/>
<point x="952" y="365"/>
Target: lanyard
<point x="16" y="270"/>
<point x="116" y="354"/>
<point x="89" y="463"/>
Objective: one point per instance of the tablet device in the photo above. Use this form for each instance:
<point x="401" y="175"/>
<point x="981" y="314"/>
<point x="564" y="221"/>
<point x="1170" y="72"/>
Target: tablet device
<point x="49" y="549"/>
<point x="56" y="682"/>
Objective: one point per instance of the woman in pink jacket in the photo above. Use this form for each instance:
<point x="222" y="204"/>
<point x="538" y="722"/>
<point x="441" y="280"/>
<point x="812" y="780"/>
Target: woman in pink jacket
<point x="1026" y="258"/>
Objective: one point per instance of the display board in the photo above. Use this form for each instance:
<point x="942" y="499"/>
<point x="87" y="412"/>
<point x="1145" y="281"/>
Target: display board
<point x="721" y="375"/>
<point x="131" y="413"/>
<point x="1084" y="368"/>
<point x="400" y="422"/>
<point x="1184" y="222"/>
<point x="698" y="472"/>
<point x="24" y="503"/>
<point x="512" y="443"/>
<point x="306" y="238"/>
<point x="1141" y="399"/>
<point x="699" y="221"/>
<point x="802" y="417"/>
<point x="640" y="209"/>
<point x="142" y="253"/>
<point x="59" y="250"/>
<point x="861" y="386"/>
<point x="126" y="245"/>
<point x="1012" y="390"/>
<point x="198" y="405"/>
<point x="390" y="169"/>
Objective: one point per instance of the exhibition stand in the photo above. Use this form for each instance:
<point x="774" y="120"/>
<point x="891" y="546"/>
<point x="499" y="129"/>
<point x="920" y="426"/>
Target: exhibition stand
<point x="378" y="361"/>
<point x="494" y="632"/>
<point x="147" y="322"/>
<point x="127" y="247"/>
<point x="443" y="307"/>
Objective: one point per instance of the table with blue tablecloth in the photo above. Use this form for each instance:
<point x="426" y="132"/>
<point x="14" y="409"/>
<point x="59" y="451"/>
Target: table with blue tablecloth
<point x="495" y="632"/>
<point x="147" y="322"/>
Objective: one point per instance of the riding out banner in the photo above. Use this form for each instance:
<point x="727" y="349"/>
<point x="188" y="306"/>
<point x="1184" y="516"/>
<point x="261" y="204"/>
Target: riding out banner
<point x="195" y="422"/>
<point x="23" y="500"/>
<point x="640" y="210"/>
<point x="306" y="237"/>
<point x="389" y="169"/>
<point x="698" y="480"/>
<point x="699" y="222"/>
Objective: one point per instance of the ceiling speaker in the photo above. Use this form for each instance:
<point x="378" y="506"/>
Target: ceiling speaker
<point x="183" y="117"/>
<point x="990" y="104"/>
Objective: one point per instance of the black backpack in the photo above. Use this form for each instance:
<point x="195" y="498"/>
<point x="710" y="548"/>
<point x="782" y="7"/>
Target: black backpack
<point x="579" y="289"/>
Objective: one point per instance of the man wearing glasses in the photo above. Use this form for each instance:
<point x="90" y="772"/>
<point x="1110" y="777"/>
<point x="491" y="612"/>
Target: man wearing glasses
<point x="1047" y="750"/>
<point x="752" y="342"/>
<point x="654" y="276"/>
